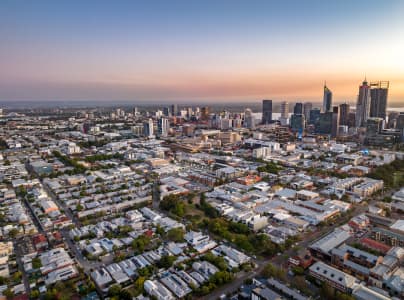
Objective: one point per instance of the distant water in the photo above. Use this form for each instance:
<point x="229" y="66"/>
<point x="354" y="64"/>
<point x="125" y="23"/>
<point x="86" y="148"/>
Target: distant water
<point x="236" y="106"/>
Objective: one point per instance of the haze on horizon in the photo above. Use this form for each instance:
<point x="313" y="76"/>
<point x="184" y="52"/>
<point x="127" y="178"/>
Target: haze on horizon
<point x="209" y="50"/>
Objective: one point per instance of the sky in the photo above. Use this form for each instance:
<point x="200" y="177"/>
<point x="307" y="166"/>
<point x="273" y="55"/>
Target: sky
<point x="210" y="50"/>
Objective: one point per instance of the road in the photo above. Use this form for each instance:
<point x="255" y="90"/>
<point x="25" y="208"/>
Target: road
<point x="61" y="205"/>
<point x="18" y="244"/>
<point x="236" y="282"/>
<point x="80" y="258"/>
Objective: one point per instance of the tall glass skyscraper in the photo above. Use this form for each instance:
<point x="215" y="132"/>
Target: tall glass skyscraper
<point x="344" y="114"/>
<point x="266" y="111"/>
<point x="327" y="99"/>
<point x="378" y="99"/>
<point x="298" y="109"/>
<point x="363" y="104"/>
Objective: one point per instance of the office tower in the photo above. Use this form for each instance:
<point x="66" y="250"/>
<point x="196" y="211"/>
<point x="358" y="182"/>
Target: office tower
<point x="166" y="111"/>
<point x="392" y="119"/>
<point x="378" y="99"/>
<point x="205" y="113"/>
<point x="373" y="126"/>
<point x="163" y="126"/>
<point x="266" y="111"/>
<point x="148" y="128"/>
<point x="307" y="107"/>
<point x="190" y="112"/>
<point x="363" y="105"/>
<point x="158" y="113"/>
<point x="351" y="119"/>
<point x="297" y="123"/>
<point x="249" y="120"/>
<point x="298" y="109"/>
<point x="400" y="121"/>
<point x="314" y="116"/>
<point x="225" y="123"/>
<point x="335" y="121"/>
<point x="120" y="112"/>
<point x="135" y="111"/>
<point x="324" y="125"/>
<point x="285" y="110"/>
<point x="174" y="110"/>
<point x="344" y="114"/>
<point x="327" y="99"/>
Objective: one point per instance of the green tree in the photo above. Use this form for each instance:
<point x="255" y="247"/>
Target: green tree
<point x="166" y="261"/>
<point x="13" y="233"/>
<point x="114" y="290"/>
<point x="176" y="234"/>
<point x="327" y="291"/>
<point x="8" y="293"/>
<point x="34" y="294"/>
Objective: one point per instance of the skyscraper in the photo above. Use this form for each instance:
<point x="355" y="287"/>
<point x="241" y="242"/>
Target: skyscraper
<point x="378" y="99"/>
<point x="297" y="123"/>
<point x="344" y="114"/>
<point x="298" y="109"/>
<point x="400" y="121"/>
<point x="285" y="110"/>
<point x="148" y="128"/>
<point x="249" y="120"/>
<point x="163" y="126"/>
<point x="335" y="121"/>
<point x="174" y="110"/>
<point x="205" y="113"/>
<point x="363" y="105"/>
<point x="266" y="111"/>
<point x="324" y="125"/>
<point x="307" y="107"/>
<point x="327" y="99"/>
<point x="135" y="111"/>
<point x="166" y="111"/>
<point x="314" y="115"/>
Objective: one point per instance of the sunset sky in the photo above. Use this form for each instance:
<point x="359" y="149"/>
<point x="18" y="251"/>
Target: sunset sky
<point x="198" y="50"/>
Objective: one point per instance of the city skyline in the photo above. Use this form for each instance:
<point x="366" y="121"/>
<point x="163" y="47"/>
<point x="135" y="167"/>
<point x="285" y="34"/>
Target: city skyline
<point x="208" y="52"/>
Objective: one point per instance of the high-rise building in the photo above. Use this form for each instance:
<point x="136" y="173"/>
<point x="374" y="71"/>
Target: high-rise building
<point x="378" y="99"/>
<point x="249" y="120"/>
<point x="324" y="124"/>
<point x="266" y="111"/>
<point x="205" y="113"/>
<point x="190" y="112"/>
<point x="285" y="110"/>
<point x="166" y="111"/>
<point x="344" y="114"/>
<point x="163" y="126"/>
<point x="298" y="109"/>
<point x="400" y="121"/>
<point x="335" y="121"/>
<point x="307" y="107"/>
<point x="297" y="123"/>
<point x="174" y="110"/>
<point x="148" y="130"/>
<point x="373" y="126"/>
<point x="392" y="119"/>
<point x="352" y="119"/>
<point x="327" y="99"/>
<point x="314" y="116"/>
<point x="135" y="111"/>
<point x="363" y="105"/>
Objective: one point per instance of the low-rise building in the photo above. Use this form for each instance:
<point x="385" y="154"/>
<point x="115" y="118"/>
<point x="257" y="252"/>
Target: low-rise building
<point x="334" y="277"/>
